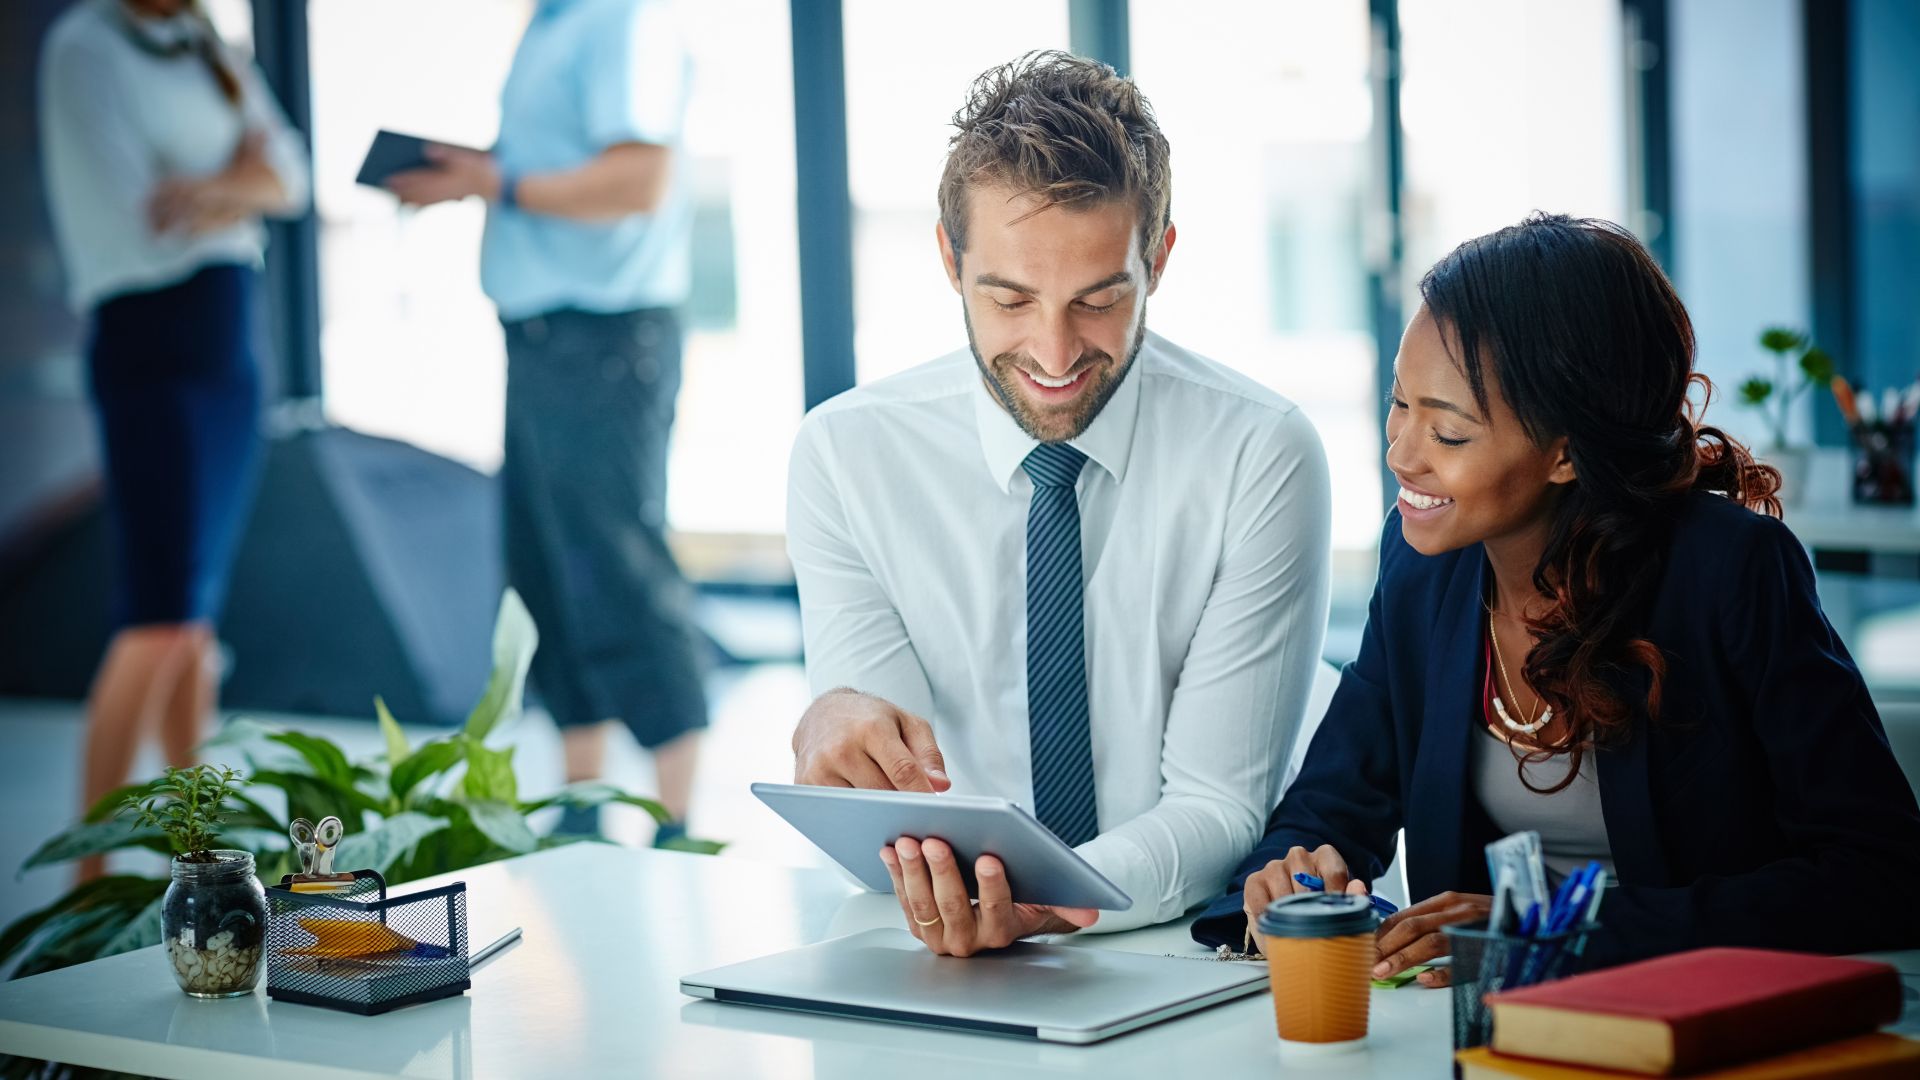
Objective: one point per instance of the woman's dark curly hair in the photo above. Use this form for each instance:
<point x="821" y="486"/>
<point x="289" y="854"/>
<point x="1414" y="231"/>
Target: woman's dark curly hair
<point x="1587" y="340"/>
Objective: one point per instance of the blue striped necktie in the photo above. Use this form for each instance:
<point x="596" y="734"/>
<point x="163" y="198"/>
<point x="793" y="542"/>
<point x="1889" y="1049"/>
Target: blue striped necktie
<point x="1056" y="649"/>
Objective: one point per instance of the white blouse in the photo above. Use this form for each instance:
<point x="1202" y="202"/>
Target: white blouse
<point x="117" y="118"/>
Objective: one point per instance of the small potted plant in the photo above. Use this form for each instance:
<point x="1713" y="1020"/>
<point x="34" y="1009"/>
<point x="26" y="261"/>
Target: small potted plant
<point x="1798" y="366"/>
<point x="214" y="913"/>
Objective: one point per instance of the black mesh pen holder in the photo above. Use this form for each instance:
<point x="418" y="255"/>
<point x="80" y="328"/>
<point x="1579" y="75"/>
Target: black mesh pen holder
<point x="1487" y="963"/>
<point x="364" y="952"/>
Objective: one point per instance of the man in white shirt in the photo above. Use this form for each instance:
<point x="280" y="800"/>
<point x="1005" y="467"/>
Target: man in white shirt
<point x="1075" y="565"/>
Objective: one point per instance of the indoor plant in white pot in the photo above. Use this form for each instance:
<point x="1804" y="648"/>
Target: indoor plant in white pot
<point x="1798" y="366"/>
<point x="214" y="913"/>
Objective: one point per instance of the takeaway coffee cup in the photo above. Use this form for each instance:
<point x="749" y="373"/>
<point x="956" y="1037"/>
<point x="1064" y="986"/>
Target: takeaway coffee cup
<point x="1320" y="951"/>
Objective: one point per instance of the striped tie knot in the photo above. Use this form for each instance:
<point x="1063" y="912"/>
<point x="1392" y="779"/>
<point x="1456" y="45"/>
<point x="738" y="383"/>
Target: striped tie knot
<point x="1054" y="465"/>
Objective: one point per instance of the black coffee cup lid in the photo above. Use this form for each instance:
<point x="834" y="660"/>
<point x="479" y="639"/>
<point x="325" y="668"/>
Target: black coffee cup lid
<point x="1318" y="914"/>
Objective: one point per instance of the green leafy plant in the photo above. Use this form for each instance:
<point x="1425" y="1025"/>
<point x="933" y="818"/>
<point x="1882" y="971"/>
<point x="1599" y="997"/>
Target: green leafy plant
<point x="419" y="810"/>
<point x="1798" y="366"/>
<point x="187" y="806"/>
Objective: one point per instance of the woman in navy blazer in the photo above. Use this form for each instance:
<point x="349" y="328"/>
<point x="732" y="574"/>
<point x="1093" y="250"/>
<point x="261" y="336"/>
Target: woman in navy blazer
<point x="1657" y="639"/>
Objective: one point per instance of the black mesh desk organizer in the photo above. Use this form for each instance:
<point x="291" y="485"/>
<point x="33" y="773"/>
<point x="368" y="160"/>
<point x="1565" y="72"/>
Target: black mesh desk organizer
<point x="1487" y="963"/>
<point x="338" y="950"/>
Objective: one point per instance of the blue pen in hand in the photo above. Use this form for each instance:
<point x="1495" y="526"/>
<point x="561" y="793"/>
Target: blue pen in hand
<point x="1384" y="907"/>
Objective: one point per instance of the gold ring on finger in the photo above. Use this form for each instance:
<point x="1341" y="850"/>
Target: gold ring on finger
<point x="926" y="922"/>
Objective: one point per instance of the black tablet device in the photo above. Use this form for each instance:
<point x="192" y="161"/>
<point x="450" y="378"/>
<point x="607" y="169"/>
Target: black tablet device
<point x="391" y="153"/>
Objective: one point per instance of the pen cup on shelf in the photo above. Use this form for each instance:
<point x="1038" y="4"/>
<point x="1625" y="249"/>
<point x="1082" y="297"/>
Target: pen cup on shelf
<point x="1487" y="963"/>
<point x="362" y="951"/>
<point x="1883" y="464"/>
<point x="1882" y="427"/>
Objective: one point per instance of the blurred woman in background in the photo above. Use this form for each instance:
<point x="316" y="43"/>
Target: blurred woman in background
<point x="162" y="151"/>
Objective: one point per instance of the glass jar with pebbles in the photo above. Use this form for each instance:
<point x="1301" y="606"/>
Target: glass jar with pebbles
<point x="214" y="913"/>
<point x="214" y="916"/>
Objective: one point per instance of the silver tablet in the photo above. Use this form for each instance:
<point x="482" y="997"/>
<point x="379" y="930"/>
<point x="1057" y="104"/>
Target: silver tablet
<point x="852" y="825"/>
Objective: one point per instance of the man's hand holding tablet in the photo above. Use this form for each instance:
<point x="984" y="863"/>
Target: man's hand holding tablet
<point x="451" y="173"/>
<point x="850" y="739"/>
<point x="422" y="172"/>
<point x="933" y="895"/>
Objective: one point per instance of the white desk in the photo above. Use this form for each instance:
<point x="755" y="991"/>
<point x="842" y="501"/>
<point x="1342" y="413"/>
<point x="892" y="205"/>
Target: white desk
<point x="593" y="990"/>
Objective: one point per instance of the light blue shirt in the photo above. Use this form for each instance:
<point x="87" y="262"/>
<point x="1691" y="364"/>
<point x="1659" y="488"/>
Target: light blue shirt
<point x="590" y="74"/>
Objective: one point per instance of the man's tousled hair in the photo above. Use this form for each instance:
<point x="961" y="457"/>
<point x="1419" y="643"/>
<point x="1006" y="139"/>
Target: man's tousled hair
<point x="1068" y="130"/>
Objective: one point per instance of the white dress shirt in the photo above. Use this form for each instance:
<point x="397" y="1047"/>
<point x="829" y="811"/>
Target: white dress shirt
<point x="115" y="119"/>
<point x="1204" y="512"/>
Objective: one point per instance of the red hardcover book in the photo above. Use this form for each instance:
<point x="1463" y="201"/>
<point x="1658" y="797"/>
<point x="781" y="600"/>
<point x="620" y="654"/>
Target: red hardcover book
<point x="1696" y="1010"/>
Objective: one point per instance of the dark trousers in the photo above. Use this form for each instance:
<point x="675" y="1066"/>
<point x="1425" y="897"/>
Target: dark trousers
<point x="590" y="401"/>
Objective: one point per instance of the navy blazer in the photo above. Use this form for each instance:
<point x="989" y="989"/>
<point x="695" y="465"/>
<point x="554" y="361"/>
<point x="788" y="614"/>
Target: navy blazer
<point x="1763" y="808"/>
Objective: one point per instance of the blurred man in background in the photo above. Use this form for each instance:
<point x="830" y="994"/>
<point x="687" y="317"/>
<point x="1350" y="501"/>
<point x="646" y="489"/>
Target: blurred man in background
<point x="586" y="258"/>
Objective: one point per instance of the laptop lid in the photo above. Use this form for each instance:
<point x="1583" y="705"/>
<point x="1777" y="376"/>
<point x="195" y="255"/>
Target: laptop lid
<point x="1054" y="993"/>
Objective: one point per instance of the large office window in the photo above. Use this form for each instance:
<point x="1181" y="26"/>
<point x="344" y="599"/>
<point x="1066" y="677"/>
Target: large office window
<point x="1508" y="107"/>
<point x="234" y="20"/>
<point x="908" y="70"/>
<point x="741" y="403"/>
<point x="1269" y="126"/>
<point x="412" y="348"/>
<point x="1740" y="191"/>
<point x="1884" y="185"/>
<point x="409" y="345"/>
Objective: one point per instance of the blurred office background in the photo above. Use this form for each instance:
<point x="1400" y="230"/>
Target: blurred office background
<point x="1325" y="151"/>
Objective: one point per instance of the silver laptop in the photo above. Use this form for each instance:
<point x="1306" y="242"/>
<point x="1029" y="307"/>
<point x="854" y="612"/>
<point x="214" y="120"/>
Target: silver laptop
<point x="1054" y="993"/>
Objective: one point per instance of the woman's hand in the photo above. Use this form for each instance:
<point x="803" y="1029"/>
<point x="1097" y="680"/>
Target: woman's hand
<point x="1275" y="880"/>
<point x="193" y="207"/>
<point x="1412" y="935"/>
<point x="246" y="188"/>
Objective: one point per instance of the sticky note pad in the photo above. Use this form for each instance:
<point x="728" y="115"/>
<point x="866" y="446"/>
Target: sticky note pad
<point x="1395" y="982"/>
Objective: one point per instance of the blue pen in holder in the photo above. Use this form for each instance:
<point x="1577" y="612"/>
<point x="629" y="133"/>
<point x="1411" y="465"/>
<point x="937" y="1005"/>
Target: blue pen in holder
<point x="1485" y="963"/>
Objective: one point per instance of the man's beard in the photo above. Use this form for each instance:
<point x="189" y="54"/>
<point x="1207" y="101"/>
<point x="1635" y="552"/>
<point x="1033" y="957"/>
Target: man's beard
<point x="1054" y="425"/>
